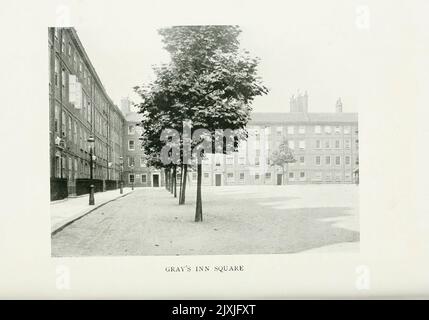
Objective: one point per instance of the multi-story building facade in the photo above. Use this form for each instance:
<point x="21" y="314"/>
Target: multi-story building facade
<point x="325" y="146"/>
<point x="79" y="108"/>
<point x="136" y="172"/>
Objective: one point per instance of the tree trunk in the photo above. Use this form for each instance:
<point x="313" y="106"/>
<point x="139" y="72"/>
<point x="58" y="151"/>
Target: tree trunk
<point x="199" y="206"/>
<point x="181" y="182"/>
<point x="284" y="176"/>
<point x="174" y="180"/>
<point x="171" y="180"/>
<point x="184" y="175"/>
<point x="286" y="173"/>
<point x="166" y="178"/>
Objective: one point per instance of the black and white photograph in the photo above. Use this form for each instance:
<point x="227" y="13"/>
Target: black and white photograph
<point x="223" y="147"/>
<point x="207" y="150"/>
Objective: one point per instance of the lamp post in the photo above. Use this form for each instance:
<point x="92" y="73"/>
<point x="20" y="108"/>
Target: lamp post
<point x="91" y="141"/>
<point x="121" y="162"/>
<point x="132" y="181"/>
<point x="61" y="145"/>
<point x="109" y="167"/>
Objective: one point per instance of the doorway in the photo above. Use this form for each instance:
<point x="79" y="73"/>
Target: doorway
<point x="155" y="179"/>
<point x="218" y="179"/>
<point x="279" y="179"/>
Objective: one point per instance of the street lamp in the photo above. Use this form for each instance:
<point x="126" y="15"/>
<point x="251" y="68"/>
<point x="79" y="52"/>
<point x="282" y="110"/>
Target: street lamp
<point x="91" y="141"/>
<point x="121" y="162"/>
<point x="109" y="167"/>
<point x="60" y="145"/>
<point x="132" y="173"/>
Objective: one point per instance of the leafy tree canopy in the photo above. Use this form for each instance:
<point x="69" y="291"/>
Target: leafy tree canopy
<point x="208" y="81"/>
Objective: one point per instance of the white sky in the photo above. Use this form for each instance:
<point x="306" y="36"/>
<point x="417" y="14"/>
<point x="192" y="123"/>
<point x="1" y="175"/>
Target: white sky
<point x="317" y="50"/>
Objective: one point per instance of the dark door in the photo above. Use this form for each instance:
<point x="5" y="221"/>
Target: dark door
<point x="218" y="179"/>
<point x="279" y="179"/>
<point x="156" y="180"/>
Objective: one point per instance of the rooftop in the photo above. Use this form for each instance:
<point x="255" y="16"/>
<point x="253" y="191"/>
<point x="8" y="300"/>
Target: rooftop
<point x="301" y="117"/>
<point x="87" y="61"/>
<point x="133" y="117"/>
<point x="284" y="117"/>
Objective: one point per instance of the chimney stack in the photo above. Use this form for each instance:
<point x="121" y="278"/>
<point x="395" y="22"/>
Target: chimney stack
<point x="299" y="103"/>
<point x="305" y="102"/>
<point x="125" y="106"/>
<point x="339" y="106"/>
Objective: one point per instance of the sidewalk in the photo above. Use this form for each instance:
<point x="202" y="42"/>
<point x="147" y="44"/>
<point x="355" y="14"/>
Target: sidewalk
<point x="66" y="211"/>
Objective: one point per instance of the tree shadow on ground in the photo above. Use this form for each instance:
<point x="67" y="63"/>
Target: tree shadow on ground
<point x="308" y="228"/>
<point x="158" y="226"/>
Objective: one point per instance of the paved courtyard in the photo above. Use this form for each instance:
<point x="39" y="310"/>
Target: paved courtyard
<point x="237" y="220"/>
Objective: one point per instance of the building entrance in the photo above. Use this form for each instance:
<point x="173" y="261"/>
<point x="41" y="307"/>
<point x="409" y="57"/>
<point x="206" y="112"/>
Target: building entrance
<point x="218" y="179"/>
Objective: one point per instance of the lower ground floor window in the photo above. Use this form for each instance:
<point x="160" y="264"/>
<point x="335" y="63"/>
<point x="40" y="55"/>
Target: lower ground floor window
<point x="206" y="175"/>
<point x="241" y="175"/>
<point x="131" y="178"/>
<point x="268" y="175"/>
<point x="144" y="178"/>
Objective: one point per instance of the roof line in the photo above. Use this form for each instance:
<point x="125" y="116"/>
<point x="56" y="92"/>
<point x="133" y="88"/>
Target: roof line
<point x="92" y="69"/>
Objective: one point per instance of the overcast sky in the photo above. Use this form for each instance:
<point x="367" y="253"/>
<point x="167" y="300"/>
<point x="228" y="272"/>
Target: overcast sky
<point x="316" y="50"/>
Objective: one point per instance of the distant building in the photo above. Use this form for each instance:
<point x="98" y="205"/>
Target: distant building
<point x="325" y="146"/>
<point x="136" y="172"/>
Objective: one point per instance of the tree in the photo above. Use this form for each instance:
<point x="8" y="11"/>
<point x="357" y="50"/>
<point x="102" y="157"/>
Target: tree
<point x="209" y="82"/>
<point x="214" y="84"/>
<point x="162" y="110"/>
<point x="282" y="157"/>
<point x="154" y="122"/>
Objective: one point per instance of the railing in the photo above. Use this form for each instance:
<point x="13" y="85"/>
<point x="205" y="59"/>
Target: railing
<point x="82" y="185"/>
<point x="59" y="189"/>
<point x="111" y="184"/>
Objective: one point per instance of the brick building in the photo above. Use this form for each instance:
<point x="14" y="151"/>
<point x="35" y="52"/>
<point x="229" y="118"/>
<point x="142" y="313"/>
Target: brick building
<point x="79" y="107"/>
<point x="136" y="173"/>
<point x="325" y="146"/>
